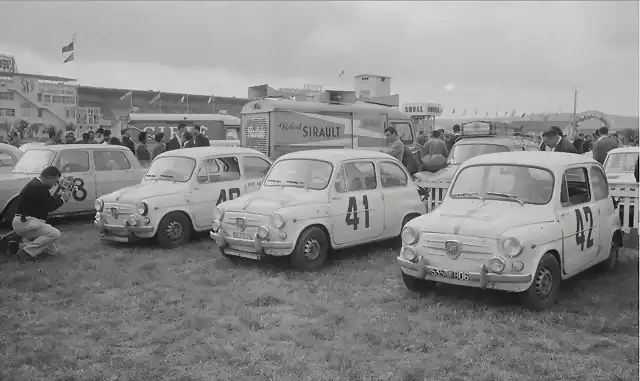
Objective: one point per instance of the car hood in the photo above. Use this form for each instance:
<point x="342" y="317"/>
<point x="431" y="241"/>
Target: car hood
<point x="269" y="199"/>
<point x="146" y="189"/>
<point x="485" y="219"/>
<point x="445" y="174"/>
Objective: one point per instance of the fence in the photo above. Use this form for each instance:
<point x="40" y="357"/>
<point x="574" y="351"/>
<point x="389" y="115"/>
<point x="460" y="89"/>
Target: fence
<point x="626" y="196"/>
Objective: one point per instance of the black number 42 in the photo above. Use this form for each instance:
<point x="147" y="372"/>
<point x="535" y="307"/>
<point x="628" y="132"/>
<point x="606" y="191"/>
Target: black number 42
<point x="352" y="212"/>
<point x="580" y="238"/>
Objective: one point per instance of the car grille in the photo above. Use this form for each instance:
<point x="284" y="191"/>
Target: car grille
<point x="470" y="247"/>
<point x="253" y="221"/>
<point x="123" y="212"/>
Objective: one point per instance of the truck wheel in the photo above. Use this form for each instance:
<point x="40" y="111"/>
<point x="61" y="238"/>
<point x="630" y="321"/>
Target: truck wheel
<point x="311" y="250"/>
<point x="417" y="285"/>
<point x="544" y="289"/>
<point x="611" y="262"/>
<point x="174" y="230"/>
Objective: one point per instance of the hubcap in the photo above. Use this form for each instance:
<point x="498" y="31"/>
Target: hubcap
<point x="544" y="283"/>
<point x="174" y="230"/>
<point x="311" y="249"/>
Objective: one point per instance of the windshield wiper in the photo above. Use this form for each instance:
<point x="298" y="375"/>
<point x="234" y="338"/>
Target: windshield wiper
<point x="468" y="194"/>
<point x="298" y="183"/>
<point x="279" y="182"/>
<point x="507" y="195"/>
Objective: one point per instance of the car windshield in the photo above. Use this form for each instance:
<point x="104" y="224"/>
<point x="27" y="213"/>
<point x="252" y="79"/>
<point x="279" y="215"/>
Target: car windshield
<point x="171" y="168"/>
<point x="463" y="152"/>
<point x="34" y="161"/>
<point x="307" y="173"/>
<point x="521" y="184"/>
<point x="621" y="162"/>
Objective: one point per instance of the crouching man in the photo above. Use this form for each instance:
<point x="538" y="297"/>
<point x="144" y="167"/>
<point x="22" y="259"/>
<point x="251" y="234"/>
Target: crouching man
<point x="35" y="202"/>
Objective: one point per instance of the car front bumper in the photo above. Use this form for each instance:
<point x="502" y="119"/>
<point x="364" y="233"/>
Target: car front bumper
<point x="122" y="233"/>
<point x="481" y="278"/>
<point x="253" y="249"/>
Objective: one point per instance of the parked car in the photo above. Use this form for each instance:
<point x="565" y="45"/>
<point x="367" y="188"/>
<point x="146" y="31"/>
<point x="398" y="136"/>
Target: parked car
<point x="9" y="156"/>
<point x="94" y="169"/>
<point x="178" y="194"/>
<point x="517" y="221"/>
<point x="312" y="201"/>
<point x="620" y="163"/>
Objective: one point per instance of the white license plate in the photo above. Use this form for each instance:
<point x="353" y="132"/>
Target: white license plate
<point x="246" y="236"/>
<point x="459" y="275"/>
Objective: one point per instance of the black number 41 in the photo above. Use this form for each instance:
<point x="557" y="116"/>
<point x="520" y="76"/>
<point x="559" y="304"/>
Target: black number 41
<point x="580" y="236"/>
<point x="352" y="212"/>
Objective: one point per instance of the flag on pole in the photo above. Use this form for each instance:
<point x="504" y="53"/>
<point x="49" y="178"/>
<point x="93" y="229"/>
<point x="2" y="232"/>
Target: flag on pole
<point x="523" y="115"/>
<point x="130" y="93"/>
<point x="476" y="112"/>
<point x="341" y="73"/>
<point x="464" y="112"/>
<point x="496" y="114"/>
<point x="155" y="98"/>
<point x="506" y="113"/>
<point x="453" y="112"/>
<point x="69" y="47"/>
<point x="69" y="59"/>
<point x="210" y="99"/>
<point x="513" y="113"/>
<point x="486" y="115"/>
<point x="183" y="98"/>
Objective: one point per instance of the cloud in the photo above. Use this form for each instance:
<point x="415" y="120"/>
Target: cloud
<point x="512" y="55"/>
<point x="450" y="87"/>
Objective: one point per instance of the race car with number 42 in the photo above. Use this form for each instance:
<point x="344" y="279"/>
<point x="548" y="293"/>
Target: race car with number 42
<point x="178" y="193"/>
<point x="315" y="200"/>
<point x="516" y="221"/>
<point x="94" y="169"/>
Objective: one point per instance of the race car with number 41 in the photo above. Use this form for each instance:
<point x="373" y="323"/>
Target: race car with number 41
<point x="313" y="201"/>
<point x="177" y="195"/>
<point x="516" y="221"/>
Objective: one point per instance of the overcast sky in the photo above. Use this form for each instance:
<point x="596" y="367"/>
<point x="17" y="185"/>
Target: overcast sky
<point x="490" y="56"/>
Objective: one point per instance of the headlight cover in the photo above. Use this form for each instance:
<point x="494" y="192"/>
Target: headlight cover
<point x="142" y="208"/>
<point x="511" y="247"/>
<point x="217" y="214"/>
<point x="263" y="232"/>
<point x="277" y="220"/>
<point x="409" y="254"/>
<point x="99" y="205"/>
<point x="409" y="235"/>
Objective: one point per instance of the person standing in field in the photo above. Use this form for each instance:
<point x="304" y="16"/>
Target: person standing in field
<point x="395" y="147"/>
<point x="603" y="145"/>
<point x="160" y="147"/>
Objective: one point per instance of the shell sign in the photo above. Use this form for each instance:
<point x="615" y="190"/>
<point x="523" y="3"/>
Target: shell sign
<point x="422" y="109"/>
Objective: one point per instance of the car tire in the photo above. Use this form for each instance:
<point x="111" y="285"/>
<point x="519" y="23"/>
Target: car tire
<point x="174" y="230"/>
<point x="311" y="250"/>
<point x="9" y="212"/>
<point x="544" y="290"/>
<point x="414" y="284"/>
<point x="611" y="262"/>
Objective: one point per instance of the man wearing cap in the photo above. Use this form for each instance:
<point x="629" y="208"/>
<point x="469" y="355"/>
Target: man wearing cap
<point x="603" y="145"/>
<point x="553" y="139"/>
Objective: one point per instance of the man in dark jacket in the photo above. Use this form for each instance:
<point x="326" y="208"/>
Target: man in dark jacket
<point x="201" y="139"/>
<point x="127" y="142"/>
<point x="603" y="145"/>
<point x="578" y="143"/>
<point x="454" y="138"/>
<point x="177" y="141"/>
<point x="553" y="139"/>
<point x="35" y="202"/>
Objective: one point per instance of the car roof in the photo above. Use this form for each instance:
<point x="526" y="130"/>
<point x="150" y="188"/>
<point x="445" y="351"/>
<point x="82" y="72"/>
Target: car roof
<point x="10" y="148"/>
<point x="337" y="154"/>
<point x="60" y="147"/>
<point x="624" y="150"/>
<point x="203" y="152"/>
<point x="495" y="139"/>
<point x="551" y="160"/>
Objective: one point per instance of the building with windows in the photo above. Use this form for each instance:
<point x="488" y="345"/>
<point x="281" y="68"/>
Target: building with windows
<point x="371" y="86"/>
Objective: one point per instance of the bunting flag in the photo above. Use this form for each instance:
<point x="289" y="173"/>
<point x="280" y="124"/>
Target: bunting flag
<point x="155" y="98"/>
<point x="70" y="58"/>
<point x="130" y="93"/>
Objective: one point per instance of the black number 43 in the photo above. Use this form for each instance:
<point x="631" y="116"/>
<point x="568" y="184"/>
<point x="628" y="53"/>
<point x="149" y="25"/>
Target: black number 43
<point x="352" y="212"/>
<point x="580" y="236"/>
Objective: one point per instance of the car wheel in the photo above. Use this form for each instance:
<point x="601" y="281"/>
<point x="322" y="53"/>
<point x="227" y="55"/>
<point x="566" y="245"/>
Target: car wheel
<point x="545" y="287"/>
<point x="311" y="250"/>
<point x="611" y="262"/>
<point x="417" y="285"/>
<point x="174" y="230"/>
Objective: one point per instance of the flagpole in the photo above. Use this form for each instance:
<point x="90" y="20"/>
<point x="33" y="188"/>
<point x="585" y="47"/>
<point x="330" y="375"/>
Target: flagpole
<point x="187" y="96"/>
<point x="160" y="100"/>
<point x="213" y="104"/>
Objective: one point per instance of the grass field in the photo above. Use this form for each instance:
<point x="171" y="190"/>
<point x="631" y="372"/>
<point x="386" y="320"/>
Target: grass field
<point x="118" y="312"/>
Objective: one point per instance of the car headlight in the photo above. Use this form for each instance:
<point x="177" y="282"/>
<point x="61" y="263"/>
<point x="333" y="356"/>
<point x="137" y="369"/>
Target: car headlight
<point x="511" y="247"/>
<point x="132" y="220"/>
<point x="217" y="214"/>
<point x="99" y="205"/>
<point x="142" y="208"/>
<point x="496" y="264"/>
<point x="277" y="220"/>
<point x="263" y="232"/>
<point x="409" y="235"/>
<point x="409" y="254"/>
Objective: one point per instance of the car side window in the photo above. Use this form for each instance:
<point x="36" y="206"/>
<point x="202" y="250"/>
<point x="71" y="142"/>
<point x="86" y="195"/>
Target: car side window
<point x="73" y="161"/>
<point x="220" y="169"/>
<point x="599" y="183"/>
<point x="391" y="175"/>
<point x="356" y="176"/>
<point x="6" y="159"/>
<point x="110" y="161"/>
<point x="575" y="187"/>
<point x="255" y="167"/>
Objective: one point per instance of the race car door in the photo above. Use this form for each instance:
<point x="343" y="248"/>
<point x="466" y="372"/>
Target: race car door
<point x="76" y="164"/>
<point x="218" y="180"/>
<point x="357" y="207"/>
<point x="579" y="220"/>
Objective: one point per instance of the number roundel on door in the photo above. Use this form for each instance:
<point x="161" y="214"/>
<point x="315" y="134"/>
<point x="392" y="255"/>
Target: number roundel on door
<point x="352" y="218"/>
<point x="581" y="237"/>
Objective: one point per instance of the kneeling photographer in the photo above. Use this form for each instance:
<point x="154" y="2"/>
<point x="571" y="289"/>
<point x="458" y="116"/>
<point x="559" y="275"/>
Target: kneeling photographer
<point x="35" y="202"/>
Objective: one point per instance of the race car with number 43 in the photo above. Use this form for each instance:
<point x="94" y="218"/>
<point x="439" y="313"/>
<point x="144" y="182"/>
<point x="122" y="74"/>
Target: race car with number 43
<point x="315" y="200"/>
<point x="178" y="193"/>
<point x="516" y="221"/>
<point x="94" y="169"/>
